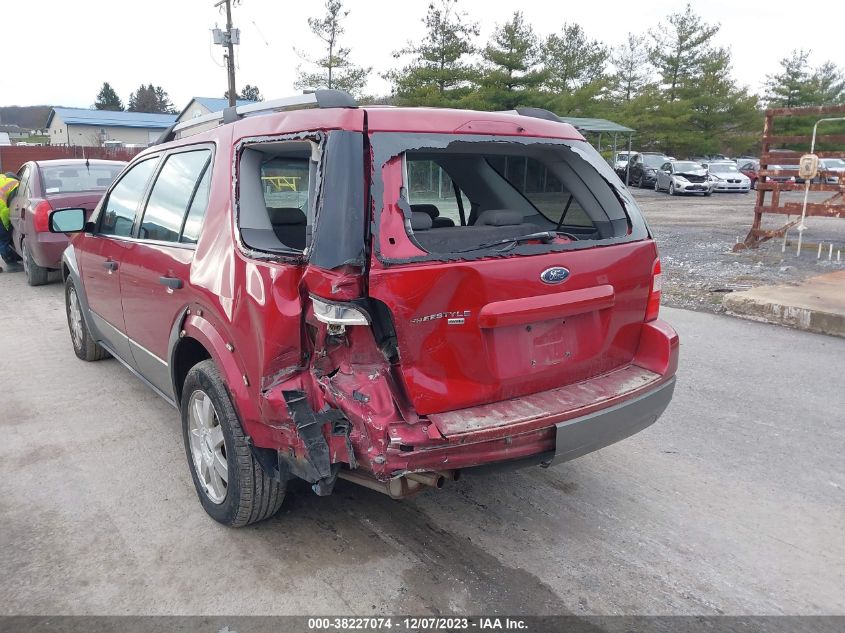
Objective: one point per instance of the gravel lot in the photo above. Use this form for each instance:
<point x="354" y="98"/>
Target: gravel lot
<point x="696" y="235"/>
<point x="733" y="503"/>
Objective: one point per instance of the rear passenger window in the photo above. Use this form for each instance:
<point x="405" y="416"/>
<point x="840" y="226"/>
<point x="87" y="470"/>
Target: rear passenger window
<point x="118" y="216"/>
<point x="276" y="187"/>
<point x="172" y="196"/>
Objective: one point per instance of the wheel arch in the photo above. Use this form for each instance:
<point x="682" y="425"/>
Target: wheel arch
<point x="70" y="270"/>
<point x="187" y="353"/>
<point x="194" y="336"/>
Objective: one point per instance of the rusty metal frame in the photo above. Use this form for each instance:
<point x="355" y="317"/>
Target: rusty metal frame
<point x="832" y="207"/>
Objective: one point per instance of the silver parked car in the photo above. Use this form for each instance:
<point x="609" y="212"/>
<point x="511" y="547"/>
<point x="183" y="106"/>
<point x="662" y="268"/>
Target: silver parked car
<point x="683" y="176"/>
<point x="726" y="176"/>
<point x="835" y="165"/>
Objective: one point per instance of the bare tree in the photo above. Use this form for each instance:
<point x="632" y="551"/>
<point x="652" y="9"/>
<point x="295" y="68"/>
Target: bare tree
<point x="335" y="69"/>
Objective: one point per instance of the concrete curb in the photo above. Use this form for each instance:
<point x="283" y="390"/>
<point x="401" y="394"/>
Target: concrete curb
<point x="815" y="305"/>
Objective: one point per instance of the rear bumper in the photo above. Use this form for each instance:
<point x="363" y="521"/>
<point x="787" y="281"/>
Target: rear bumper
<point x="567" y="422"/>
<point x="589" y="433"/>
<point x="732" y="186"/>
<point x="47" y="248"/>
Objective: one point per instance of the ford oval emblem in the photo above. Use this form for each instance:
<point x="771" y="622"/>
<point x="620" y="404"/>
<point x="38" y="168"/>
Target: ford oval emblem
<point x="554" y="275"/>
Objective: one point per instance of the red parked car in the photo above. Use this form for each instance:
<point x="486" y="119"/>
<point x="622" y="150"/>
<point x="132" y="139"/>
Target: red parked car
<point x="52" y="184"/>
<point x="382" y="295"/>
<point x="749" y="168"/>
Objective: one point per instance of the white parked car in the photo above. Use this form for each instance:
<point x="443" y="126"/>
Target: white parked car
<point x="836" y="165"/>
<point x="683" y="176"/>
<point x="620" y="160"/>
<point x="725" y="176"/>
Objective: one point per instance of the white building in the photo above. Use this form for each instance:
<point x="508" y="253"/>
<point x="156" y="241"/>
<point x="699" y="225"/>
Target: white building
<point x="92" y="128"/>
<point x="199" y="106"/>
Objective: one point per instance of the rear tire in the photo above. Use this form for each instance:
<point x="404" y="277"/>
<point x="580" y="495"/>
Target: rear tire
<point x="84" y="345"/>
<point x="35" y="274"/>
<point x="232" y="486"/>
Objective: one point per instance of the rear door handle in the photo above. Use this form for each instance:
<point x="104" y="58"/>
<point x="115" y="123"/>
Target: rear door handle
<point x="110" y="265"/>
<point x="174" y="283"/>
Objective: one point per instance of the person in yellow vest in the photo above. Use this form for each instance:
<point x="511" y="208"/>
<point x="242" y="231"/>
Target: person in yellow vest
<point x="8" y="184"/>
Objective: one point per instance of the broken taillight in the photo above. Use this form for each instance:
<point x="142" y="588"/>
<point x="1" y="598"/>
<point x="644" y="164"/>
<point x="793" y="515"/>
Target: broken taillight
<point x="653" y="306"/>
<point x="337" y="314"/>
<point x="41" y="216"/>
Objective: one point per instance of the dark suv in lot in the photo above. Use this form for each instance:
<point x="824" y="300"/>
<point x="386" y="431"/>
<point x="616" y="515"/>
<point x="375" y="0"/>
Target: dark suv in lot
<point x="382" y="295"/>
<point x="643" y="167"/>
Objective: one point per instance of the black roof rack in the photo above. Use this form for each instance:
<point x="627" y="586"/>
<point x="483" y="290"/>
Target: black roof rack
<point x="539" y="113"/>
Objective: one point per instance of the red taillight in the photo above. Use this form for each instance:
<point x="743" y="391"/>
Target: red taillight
<point x="41" y="216"/>
<point x="653" y="307"/>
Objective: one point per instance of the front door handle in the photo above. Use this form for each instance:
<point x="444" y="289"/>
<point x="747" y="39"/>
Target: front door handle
<point x="174" y="283"/>
<point x="110" y="265"/>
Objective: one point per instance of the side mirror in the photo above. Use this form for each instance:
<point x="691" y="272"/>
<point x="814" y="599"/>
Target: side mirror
<point x="67" y="221"/>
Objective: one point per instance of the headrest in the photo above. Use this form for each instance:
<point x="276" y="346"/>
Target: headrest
<point x="52" y="184"/>
<point x="103" y="182"/>
<point x="420" y="221"/>
<point x="500" y="217"/>
<point x="286" y="216"/>
<point x="430" y="209"/>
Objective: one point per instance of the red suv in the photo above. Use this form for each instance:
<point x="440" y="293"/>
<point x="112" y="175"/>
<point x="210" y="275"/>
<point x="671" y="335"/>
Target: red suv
<point x="383" y="295"/>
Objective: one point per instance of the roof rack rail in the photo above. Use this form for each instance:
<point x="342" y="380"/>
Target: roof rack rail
<point x="312" y="99"/>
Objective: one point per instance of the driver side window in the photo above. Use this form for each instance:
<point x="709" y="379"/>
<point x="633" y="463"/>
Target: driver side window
<point x="118" y="214"/>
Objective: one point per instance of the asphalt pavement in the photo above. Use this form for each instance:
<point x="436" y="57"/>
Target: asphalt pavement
<point x="733" y="502"/>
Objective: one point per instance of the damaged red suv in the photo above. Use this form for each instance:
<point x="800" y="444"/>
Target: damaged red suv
<point x="383" y="295"/>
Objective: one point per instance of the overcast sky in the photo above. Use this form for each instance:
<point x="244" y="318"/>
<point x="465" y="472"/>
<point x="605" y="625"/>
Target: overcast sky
<point x="63" y="52"/>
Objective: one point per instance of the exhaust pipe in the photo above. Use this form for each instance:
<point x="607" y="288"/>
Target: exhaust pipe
<point x="399" y="487"/>
<point x="433" y="480"/>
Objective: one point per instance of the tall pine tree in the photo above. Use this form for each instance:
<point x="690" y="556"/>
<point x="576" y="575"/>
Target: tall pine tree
<point x="439" y="72"/>
<point x="510" y="72"/>
<point x="680" y="48"/>
<point x="107" y="99"/>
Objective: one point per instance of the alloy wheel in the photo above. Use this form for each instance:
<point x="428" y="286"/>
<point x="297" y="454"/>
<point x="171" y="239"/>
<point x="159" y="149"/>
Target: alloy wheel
<point x="75" y="318"/>
<point x="208" y="449"/>
<point x="25" y="257"/>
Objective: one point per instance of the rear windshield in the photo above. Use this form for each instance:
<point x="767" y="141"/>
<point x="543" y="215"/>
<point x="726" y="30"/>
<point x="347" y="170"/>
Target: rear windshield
<point x="58" y="179"/>
<point x="465" y="197"/>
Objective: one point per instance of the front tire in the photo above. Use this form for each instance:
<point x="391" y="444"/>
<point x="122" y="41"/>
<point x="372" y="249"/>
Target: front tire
<point x="232" y="486"/>
<point x="35" y="275"/>
<point x="672" y="191"/>
<point x="84" y="345"/>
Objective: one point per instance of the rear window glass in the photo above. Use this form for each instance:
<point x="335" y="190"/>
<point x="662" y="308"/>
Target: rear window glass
<point x="57" y="179"/>
<point x="469" y="197"/>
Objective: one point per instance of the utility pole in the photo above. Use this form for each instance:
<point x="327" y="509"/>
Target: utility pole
<point x="228" y="38"/>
